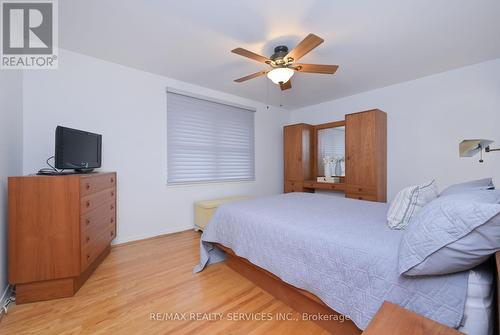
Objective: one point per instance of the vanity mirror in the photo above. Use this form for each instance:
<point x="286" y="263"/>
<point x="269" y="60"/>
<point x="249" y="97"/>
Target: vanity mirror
<point x="331" y="152"/>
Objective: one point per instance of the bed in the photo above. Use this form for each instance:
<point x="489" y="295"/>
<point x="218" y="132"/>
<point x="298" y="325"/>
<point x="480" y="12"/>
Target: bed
<point x="314" y="247"/>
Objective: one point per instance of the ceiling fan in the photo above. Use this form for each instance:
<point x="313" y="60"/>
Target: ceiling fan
<point x="282" y="62"/>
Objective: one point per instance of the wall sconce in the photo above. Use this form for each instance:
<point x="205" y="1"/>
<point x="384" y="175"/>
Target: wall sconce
<point x="468" y="148"/>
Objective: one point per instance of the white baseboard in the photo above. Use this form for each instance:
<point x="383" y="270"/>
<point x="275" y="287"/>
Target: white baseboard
<point x="124" y="239"/>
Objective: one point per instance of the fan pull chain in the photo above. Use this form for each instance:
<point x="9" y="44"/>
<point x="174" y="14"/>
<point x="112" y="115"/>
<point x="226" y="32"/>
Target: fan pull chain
<point x="267" y="93"/>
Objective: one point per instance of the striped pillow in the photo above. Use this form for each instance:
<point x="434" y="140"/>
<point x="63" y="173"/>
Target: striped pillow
<point x="408" y="202"/>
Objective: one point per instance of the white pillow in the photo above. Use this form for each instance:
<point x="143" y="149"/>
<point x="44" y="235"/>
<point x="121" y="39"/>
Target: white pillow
<point x="408" y="202"/>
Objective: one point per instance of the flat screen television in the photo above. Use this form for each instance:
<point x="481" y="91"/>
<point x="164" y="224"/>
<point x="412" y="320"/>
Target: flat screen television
<point x="78" y="150"/>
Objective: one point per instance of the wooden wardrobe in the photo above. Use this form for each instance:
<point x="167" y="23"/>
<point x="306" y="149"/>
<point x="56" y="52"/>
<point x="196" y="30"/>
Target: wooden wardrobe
<point x="297" y="150"/>
<point x="365" y="157"/>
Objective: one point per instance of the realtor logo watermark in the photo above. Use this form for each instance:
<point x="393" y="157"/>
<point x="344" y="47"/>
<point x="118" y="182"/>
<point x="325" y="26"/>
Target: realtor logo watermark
<point x="29" y="34"/>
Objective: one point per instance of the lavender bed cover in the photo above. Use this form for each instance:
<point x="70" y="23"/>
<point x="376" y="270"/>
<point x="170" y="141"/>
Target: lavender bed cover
<point x="339" y="249"/>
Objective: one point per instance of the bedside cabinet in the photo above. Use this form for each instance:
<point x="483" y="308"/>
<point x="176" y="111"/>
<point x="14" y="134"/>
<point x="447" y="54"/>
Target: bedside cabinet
<point x="392" y="319"/>
<point x="60" y="229"/>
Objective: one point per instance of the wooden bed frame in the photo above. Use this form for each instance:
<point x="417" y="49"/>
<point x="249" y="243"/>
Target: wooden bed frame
<point x="305" y="302"/>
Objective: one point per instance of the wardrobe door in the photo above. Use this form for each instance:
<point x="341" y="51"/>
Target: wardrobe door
<point x="366" y="147"/>
<point x="297" y="151"/>
<point x="297" y="156"/>
<point x="293" y="152"/>
<point x="360" y="160"/>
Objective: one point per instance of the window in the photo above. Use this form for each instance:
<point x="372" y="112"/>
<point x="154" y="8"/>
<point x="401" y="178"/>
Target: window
<point x="208" y="141"/>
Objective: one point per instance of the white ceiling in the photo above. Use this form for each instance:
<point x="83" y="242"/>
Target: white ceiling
<point x="375" y="43"/>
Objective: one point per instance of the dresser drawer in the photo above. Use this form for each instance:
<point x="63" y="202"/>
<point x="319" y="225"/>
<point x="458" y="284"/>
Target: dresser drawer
<point x="94" y="184"/>
<point x="355" y="189"/>
<point x="293" y="186"/>
<point x="367" y="197"/>
<point x="309" y="184"/>
<point x="92" y="201"/>
<point x="324" y="186"/>
<point x="94" y="248"/>
<point x="102" y="215"/>
<point x="92" y="233"/>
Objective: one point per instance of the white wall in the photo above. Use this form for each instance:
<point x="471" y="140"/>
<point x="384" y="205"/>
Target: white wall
<point x="10" y="151"/>
<point x="128" y="107"/>
<point x="427" y="118"/>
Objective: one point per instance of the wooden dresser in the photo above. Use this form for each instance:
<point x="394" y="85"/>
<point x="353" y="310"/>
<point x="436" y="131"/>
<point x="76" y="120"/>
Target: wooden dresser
<point x="60" y="228"/>
<point x="365" y="157"/>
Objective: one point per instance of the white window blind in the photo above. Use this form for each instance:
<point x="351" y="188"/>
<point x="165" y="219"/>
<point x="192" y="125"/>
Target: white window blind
<point x="208" y="141"/>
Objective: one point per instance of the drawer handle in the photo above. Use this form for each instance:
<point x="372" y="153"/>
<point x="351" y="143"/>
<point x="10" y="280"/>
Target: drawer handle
<point x="87" y="222"/>
<point x="87" y="186"/>
<point x="360" y="189"/>
<point x="87" y="204"/>
<point x="111" y="220"/>
<point x="87" y="239"/>
<point x="111" y="233"/>
<point x="88" y="256"/>
<point x="112" y="207"/>
<point x="112" y="193"/>
<point x="360" y="198"/>
<point x="112" y="180"/>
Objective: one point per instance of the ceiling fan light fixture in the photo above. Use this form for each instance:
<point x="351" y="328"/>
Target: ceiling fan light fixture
<point x="283" y="62"/>
<point x="280" y="75"/>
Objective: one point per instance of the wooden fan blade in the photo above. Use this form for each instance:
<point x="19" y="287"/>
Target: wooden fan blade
<point x="251" y="76"/>
<point x="251" y="55"/>
<point x="304" y="47"/>
<point x="287" y="85"/>
<point x="316" y="68"/>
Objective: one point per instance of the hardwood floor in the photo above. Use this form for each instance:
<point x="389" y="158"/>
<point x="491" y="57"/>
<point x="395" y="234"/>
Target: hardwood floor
<point x="155" y="276"/>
